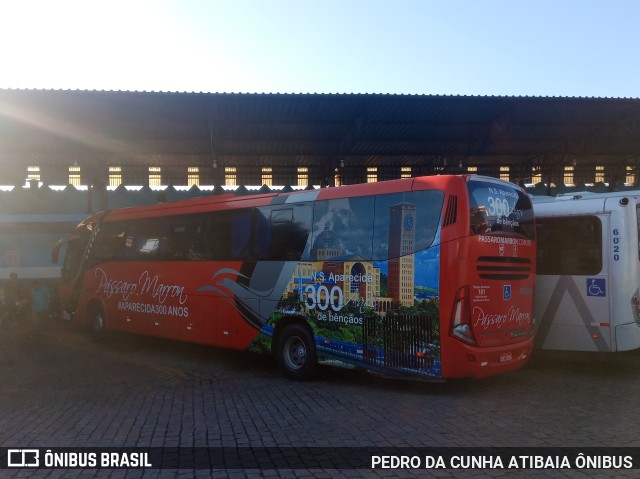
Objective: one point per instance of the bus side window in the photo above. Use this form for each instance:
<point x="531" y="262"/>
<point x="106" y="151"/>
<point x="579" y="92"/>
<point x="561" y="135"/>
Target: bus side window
<point x="184" y="242"/>
<point x="218" y="237"/>
<point x="281" y="233"/>
<point x="343" y="228"/>
<point x="240" y="234"/>
<point x="146" y="240"/>
<point x="262" y="247"/>
<point x="413" y="216"/>
<point x="569" y="246"/>
<point x="227" y="235"/>
<point x="110" y="242"/>
<point x="290" y="231"/>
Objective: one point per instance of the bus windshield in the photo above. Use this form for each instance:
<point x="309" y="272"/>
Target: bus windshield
<point x="497" y="207"/>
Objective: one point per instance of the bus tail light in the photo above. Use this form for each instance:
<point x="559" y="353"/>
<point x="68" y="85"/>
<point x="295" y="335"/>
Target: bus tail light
<point x="635" y="306"/>
<point x="461" y="317"/>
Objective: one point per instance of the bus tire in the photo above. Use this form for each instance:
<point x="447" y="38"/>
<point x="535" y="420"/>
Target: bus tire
<point x="297" y="352"/>
<point x="97" y="322"/>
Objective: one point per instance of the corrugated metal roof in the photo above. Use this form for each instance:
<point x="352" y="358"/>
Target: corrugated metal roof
<point x="360" y="129"/>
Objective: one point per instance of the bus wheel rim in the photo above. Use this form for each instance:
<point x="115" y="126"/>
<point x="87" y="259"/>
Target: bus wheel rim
<point x="98" y="322"/>
<point x="295" y="352"/>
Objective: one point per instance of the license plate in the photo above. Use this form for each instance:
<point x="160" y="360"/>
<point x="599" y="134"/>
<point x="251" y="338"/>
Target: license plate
<point x="504" y="357"/>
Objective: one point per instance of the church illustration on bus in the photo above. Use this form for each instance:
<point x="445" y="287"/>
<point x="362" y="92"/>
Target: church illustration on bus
<point x="377" y="285"/>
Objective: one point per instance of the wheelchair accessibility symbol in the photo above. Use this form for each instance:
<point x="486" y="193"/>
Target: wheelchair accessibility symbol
<point x="596" y="287"/>
<point x="506" y="292"/>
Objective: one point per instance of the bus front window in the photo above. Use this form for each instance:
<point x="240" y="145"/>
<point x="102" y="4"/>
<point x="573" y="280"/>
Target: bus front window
<point x="499" y="208"/>
<point x="72" y="259"/>
<point x="75" y="247"/>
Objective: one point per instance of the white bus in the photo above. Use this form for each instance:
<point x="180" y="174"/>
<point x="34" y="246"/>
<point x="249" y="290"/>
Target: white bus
<point x="588" y="272"/>
<point x="25" y="244"/>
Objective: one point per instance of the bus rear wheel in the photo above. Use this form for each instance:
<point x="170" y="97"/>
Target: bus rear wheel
<point x="297" y="352"/>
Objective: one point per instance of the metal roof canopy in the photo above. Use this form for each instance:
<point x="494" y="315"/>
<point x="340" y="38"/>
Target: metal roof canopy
<point x="58" y="127"/>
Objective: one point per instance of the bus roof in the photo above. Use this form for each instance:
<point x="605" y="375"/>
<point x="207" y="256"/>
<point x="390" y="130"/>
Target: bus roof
<point x="577" y="205"/>
<point x="232" y="201"/>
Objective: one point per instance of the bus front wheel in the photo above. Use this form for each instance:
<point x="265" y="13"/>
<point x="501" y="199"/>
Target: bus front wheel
<point x="97" y="322"/>
<point x="297" y="352"/>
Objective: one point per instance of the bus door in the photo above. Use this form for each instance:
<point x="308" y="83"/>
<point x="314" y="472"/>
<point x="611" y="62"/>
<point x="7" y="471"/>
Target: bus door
<point x="573" y="286"/>
<point x="73" y="249"/>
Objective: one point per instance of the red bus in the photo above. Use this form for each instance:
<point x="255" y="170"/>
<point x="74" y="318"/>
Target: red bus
<point x="429" y="276"/>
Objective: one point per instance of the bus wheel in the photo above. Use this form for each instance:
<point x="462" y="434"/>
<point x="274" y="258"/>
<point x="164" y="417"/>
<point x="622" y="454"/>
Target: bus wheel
<point x="97" y="323"/>
<point x="297" y="352"/>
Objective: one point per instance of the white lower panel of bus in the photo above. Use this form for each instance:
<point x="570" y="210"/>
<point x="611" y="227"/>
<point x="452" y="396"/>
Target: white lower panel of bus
<point x="573" y="313"/>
